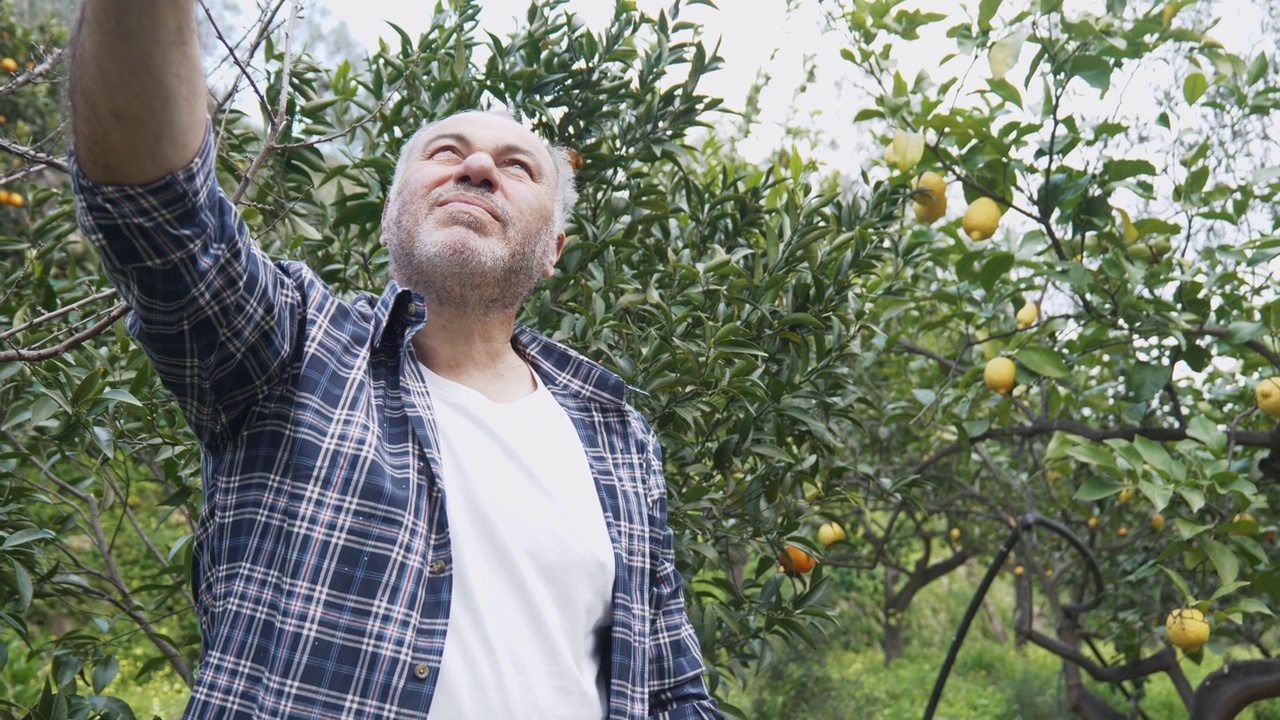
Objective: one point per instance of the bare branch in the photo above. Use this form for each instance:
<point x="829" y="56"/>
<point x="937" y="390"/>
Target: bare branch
<point x="277" y="122"/>
<point x="23" y="355"/>
<point x="35" y="73"/>
<point x="58" y="313"/>
<point x="1221" y="332"/>
<point x="917" y="350"/>
<point x="33" y="155"/>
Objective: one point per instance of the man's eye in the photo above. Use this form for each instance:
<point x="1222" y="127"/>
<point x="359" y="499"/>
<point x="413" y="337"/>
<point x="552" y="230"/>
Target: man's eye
<point x="521" y="166"/>
<point x="445" y="150"/>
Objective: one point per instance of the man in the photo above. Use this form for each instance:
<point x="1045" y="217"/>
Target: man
<point x="413" y="508"/>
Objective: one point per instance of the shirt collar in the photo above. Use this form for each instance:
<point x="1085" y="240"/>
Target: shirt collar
<point x="400" y="313"/>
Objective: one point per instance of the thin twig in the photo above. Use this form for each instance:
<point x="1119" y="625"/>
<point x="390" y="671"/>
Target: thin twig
<point x="24" y="355"/>
<point x="34" y="73"/>
<point x="33" y="155"/>
<point x="58" y="313"/>
<point x="277" y="122"/>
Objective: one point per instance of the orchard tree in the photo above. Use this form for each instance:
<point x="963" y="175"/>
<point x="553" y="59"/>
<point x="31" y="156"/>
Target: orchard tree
<point x="728" y="293"/>
<point x="1085" y="322"/>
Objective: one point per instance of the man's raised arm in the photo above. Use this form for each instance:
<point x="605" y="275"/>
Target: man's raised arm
<point x="138" y="96"/>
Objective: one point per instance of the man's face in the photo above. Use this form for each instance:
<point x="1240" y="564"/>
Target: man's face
<point x="469" y="224"/>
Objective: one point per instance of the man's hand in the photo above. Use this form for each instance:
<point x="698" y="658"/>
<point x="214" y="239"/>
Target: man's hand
<point x="138" y="96"/>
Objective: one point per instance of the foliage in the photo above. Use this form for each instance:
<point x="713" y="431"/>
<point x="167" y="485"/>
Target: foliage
<point x="1145" y="236"/>
<point x="718" y="288"/>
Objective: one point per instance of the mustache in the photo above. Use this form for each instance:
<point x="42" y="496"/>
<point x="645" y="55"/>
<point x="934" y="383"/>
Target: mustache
<point x="485" y="195"/>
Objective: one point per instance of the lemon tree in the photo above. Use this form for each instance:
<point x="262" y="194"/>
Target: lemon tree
<point x="1131" y="288"/>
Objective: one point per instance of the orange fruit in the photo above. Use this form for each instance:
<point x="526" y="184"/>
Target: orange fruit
<point x="15" y="199"/>
<point x="796" y="561"/>
<point x="9" y="65"/>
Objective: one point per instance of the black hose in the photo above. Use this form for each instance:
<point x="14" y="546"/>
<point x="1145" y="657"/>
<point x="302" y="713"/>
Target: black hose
<point x="1026" y="522"/>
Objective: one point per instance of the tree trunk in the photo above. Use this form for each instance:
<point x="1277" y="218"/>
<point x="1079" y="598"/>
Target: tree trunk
<point x="895" y="643"/>
<point x="1235" y="686"/>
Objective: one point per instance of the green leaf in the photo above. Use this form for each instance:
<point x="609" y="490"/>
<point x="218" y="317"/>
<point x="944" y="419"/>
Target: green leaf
<point x="25" y="589"/>
<point x="1223" y="559"/>
<point x="1250" y="605"/>
<point x="1189" y="530"/>
<point x="25" y="536"/>
<point x="1043" y="361"/>
<point x="1117" y="170"/>
<point x="1147" y="379"/>
<point x="1093" y="455"/>
<point x="104" y="672"/>
<point x="1194" y="86"/>
<point x="987" y="10"/>
<point x="1178" y="582"/>
<point x="1205" y="431"/>
<point x="1257" y="69"/>
<point x="1154" y="454"/>
<point x="1093" y="70"/>
<point x="1098" y="487"/>
<point x="1242" y="332"/>
<point x="924" y="395"/>
<point x="996" y="269"/>
<point x="1159" y="495"/>
<point x="123" y="396"/>
<point x="772" y="451"/>
<point x="1193" y="496"/>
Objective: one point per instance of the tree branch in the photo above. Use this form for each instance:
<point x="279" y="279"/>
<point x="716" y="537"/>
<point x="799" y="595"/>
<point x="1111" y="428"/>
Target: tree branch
<point x="24" y="355"/>
<point x="34" y="73"/>
<point x="1235" y="686"/>
<point x="33" y="155"/>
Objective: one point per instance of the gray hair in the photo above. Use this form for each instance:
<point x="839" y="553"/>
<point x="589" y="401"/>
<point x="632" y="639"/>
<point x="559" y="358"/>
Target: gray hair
<point x="566" y="187"/>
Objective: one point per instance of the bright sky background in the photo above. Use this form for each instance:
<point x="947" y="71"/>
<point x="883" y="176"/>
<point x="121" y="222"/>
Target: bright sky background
<point x="750" y="32"/>
<point x="758" y="34"/>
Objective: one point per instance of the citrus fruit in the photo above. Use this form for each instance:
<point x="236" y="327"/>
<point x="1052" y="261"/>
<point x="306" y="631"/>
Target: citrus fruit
<point x="1187" y="628"/>
<point x="795" y="560"/>
<point x="954" y="534"/>
<point x="9" y="65"/>
<point x="981" y="219"/>
<point x="1026" y="317"/>
<point x="1157" y="522"/>
<point x="1249" y="529"/>
<point x="830" y="533"/>
<point x="1127" y="494"/>
<point x="999" y="374"/>
<point x="1268" y="396"/>
<point x="931" y="197"/>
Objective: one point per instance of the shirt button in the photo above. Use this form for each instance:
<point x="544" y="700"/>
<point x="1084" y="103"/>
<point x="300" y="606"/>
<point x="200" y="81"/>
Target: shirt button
<point x="412" y="309"/>
<point x="437" y="567"/>
<point x="421" y="671"/>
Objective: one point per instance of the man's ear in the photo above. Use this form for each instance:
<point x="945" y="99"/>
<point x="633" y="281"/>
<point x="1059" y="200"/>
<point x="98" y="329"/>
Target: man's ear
<point x="382" y="229"/>
<point x="550" y="269"/>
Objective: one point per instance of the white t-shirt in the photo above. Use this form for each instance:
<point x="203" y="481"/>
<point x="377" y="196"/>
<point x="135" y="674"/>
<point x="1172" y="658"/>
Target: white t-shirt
<point x="533" y="564"/>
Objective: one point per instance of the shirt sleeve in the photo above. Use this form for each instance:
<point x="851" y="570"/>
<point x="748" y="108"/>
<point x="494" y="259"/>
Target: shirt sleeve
<point x="677" y="690"/>
<point x="210" y="309"/>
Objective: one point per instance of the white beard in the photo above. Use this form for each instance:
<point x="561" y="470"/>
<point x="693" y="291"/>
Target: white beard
<point x="440" y="253"/>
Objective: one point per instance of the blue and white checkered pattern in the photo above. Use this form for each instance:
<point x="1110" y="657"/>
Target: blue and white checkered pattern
<point x="323" y="571"/>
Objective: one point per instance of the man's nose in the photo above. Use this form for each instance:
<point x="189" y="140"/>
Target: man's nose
<point x="477" y="169"/>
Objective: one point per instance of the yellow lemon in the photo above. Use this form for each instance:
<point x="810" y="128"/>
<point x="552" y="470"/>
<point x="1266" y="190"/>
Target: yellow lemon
<point x="1127" y="494"/>
<point x="999" y="374"/>
<point x="981" y="219"/>
<point x="954" y="534"/>
<point x="1187" y="628"/>
<point x="1157" y="522"/>
<point x="1026" y="317"/>
<point x="1268" y="396"/>
<point x="830" y="533"/>
<point x="930" y="198"/>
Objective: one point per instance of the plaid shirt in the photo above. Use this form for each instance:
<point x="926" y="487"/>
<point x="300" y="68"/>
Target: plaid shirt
<point x="322" y="568"/>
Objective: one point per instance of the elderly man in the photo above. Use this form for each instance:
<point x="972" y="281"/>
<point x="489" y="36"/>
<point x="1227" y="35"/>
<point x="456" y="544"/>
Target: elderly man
<point x="413" y="507"/>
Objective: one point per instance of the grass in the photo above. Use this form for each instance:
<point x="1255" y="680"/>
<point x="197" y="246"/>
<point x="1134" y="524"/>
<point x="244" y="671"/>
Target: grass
<point x="991" y="680"/>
